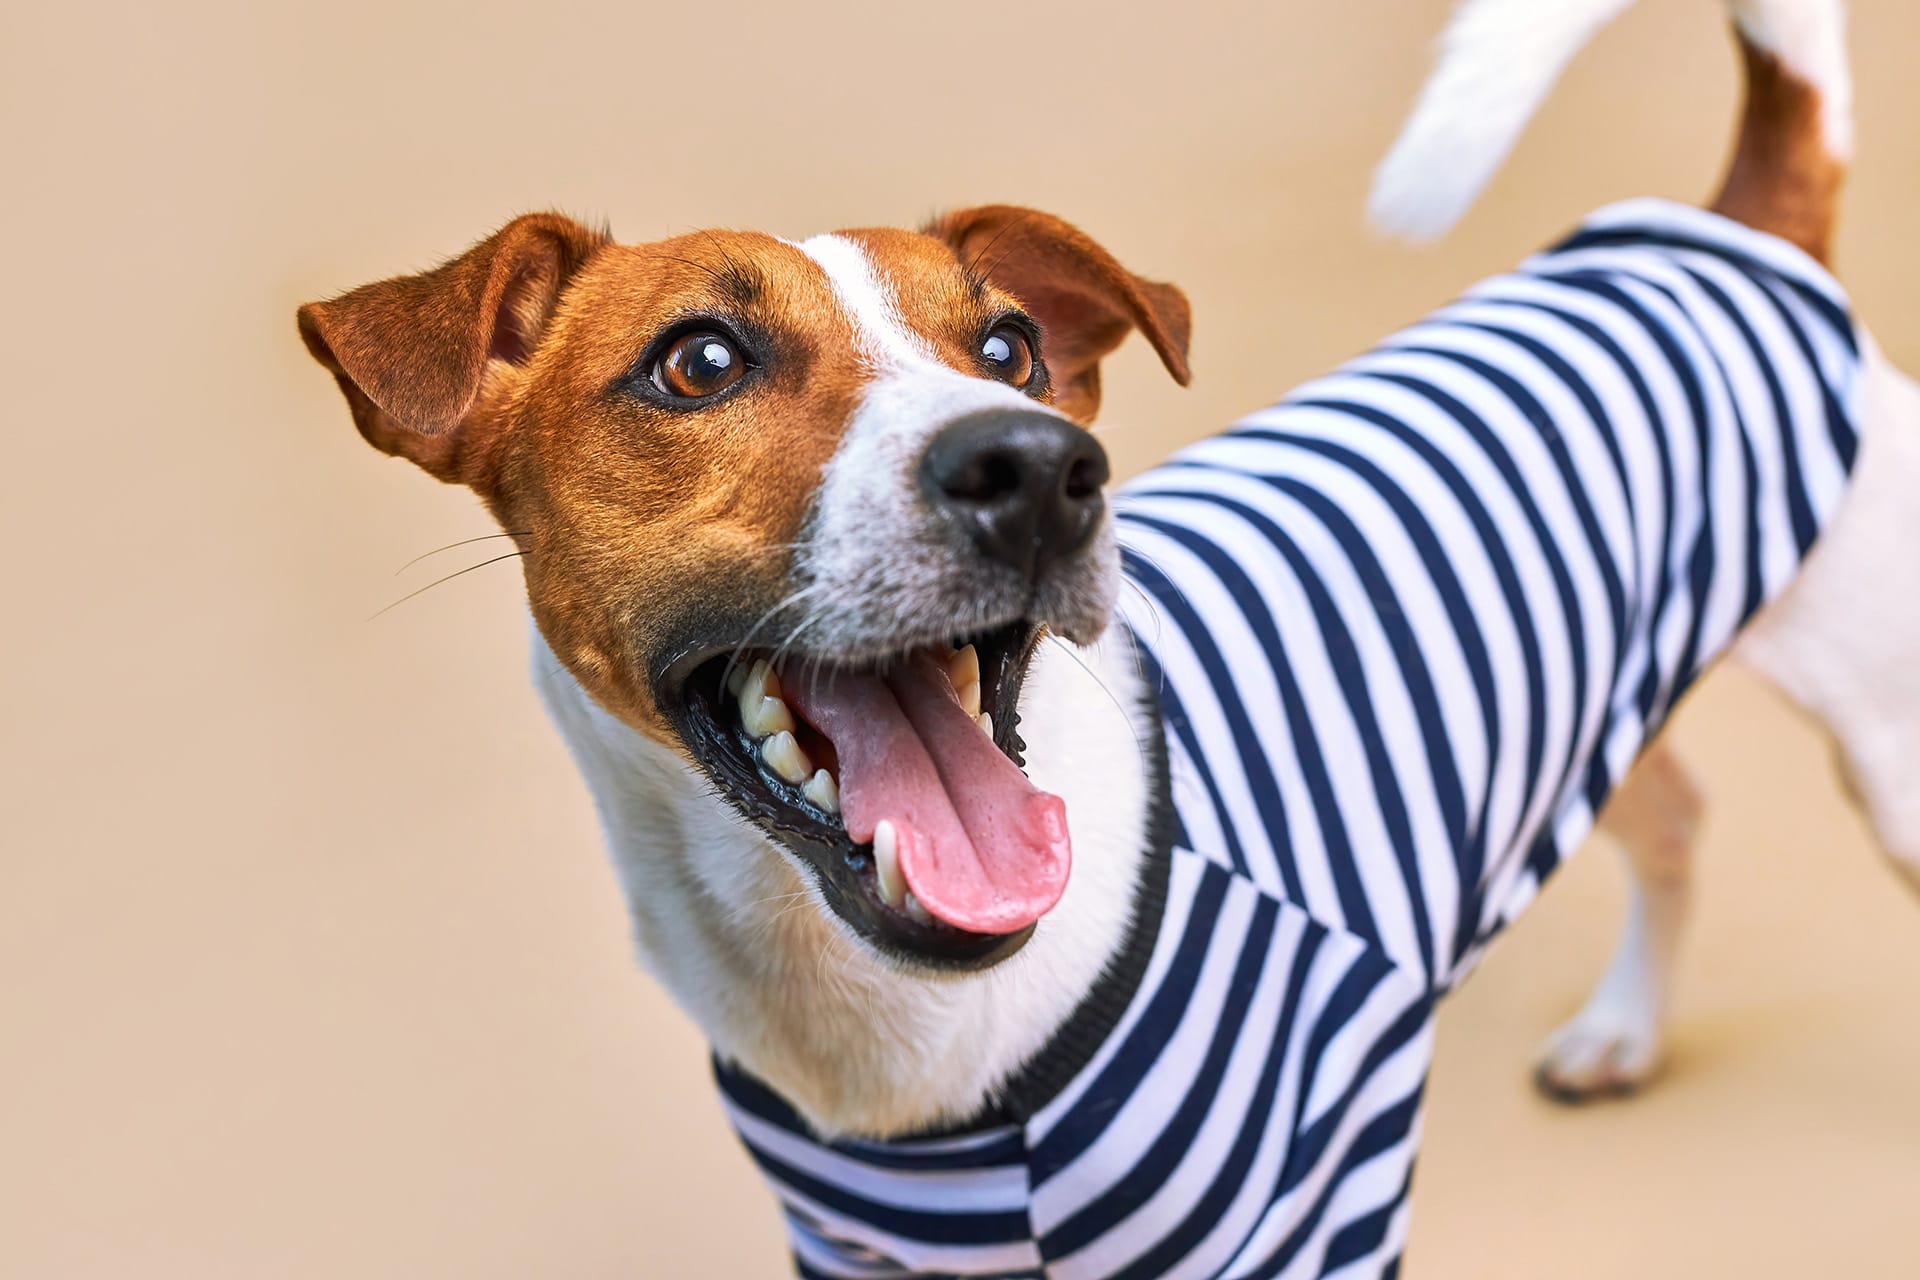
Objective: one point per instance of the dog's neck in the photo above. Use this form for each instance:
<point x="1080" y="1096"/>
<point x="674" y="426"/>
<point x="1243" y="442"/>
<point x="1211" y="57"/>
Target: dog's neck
<point x="737" y="934"/>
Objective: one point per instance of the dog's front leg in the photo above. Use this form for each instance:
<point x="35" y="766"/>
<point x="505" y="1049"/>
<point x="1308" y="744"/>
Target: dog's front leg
<point x="1613" y="1045"/>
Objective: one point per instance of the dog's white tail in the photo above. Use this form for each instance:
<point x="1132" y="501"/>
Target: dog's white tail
<point x="1499" y="58"/>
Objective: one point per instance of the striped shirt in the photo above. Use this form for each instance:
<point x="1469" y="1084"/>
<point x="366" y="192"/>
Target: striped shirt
<point x="1408" y="628"/>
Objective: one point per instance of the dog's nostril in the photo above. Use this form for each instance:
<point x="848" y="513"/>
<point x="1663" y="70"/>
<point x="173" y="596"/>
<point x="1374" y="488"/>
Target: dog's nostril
<point x="1084" y="479"/>
<point x="984" y="478"/>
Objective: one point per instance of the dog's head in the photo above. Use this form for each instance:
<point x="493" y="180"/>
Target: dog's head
<point x="800" y="511"/>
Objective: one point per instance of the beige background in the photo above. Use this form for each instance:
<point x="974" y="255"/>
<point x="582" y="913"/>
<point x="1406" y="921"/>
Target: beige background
<point x="309" y="961"/>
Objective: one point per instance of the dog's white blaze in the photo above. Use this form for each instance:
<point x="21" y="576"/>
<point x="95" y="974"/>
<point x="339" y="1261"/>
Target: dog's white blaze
<point x="869" y="304"/>
<point x="870" y="553"/>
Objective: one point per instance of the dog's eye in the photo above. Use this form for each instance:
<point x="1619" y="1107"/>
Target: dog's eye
<point x="1008" y="355"/>
<point x="700" y="364"/>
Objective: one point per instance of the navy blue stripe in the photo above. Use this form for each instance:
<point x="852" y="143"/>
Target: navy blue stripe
<point x="1505" y="575"/>
<point x="1311" y="1141"/>
<point x="1348" y="671"/>
<point x="1365" y="1234"/>
<point x="976" y="1151"/>
<point x="1157" y="1023"/>
<point x="1596" y="543"/>
<point x="1798" y="509"/>
<point x="1840" y="432"/>
<point x="1704" y="550"/>
<point x="1627" y="237"/>
<point x="1261" y="781"/>
<point x="1173" y="714"/>
<point x="1385" y="1131"/>
<point x="1654" y="608"/>
<point x="1469" y="827"/>
<point x="1550" y="554"/>
<point x="1229" y="1180"/>
<point x="966" y="1227"/>
<point x="1149" y="1171"/>
<point x="1750" y="468"/>
<point x="1589" y="402"/>
<point x="1448" y="787"/>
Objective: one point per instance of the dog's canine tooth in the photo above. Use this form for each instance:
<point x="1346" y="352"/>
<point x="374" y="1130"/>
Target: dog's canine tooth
<point x="822" y="791"/>
<point x="767" y="716"/>
<point x="736" y="679"/>
<point x="985" y="722"/>
<point x="783" y="755"/>
<point x="886" y="865"/>
<point x="963" y="669"/>
<point x="970" y="698"/>
<point x="761" y="681"/>
<point x="919" y="913"/>
<point x="761" y="710"/>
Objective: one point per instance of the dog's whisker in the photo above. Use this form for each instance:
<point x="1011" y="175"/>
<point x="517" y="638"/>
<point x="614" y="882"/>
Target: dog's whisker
<point x="734" y="655"/>
<point x="464" y="542"/>
<point x="511" y="555"/>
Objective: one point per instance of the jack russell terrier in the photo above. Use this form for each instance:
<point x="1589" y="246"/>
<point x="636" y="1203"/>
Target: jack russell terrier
<point x="1066" y="886"/>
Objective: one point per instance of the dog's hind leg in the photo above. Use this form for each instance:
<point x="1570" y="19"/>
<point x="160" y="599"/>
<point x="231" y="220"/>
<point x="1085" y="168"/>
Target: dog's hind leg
<point x="1844" y="641"/>
<point x="1613" y="1045"/>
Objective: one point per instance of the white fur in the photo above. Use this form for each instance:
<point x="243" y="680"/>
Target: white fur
<point x="735" y="930"/>
<point x="1498" y="60"/>
<point x="1843" y="641"/>
<point x="1615" y="1042"/>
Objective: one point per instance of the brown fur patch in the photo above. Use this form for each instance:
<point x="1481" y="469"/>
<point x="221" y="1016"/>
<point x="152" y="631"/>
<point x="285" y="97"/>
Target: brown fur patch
<point x="1782" y="178"/>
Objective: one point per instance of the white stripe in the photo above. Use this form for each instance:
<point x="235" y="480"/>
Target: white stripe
<point x="999" y="1189"/>
<point x="916" y="1255"/>
<point x="1400" y="1075"/>
<point x="1162" y="1087"/>
<point x="1183" y="877"/>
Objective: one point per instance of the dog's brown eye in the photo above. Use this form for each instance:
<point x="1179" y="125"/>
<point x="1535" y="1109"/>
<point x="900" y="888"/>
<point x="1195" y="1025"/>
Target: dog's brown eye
<point x="1009" y="355"/>
<point x="698" y="365"/>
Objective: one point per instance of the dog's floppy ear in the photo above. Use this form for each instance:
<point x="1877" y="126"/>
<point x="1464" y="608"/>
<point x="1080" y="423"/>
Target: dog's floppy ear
<point x="1085" y="301"/>
<point x="414" y="354"/>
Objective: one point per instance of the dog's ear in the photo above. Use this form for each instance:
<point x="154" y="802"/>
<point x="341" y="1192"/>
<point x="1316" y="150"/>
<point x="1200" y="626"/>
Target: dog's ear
<point x="419" y="357"/>
<point x="1085" y="301"/>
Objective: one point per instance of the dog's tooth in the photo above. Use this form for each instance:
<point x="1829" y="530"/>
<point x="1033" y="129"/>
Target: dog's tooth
<point x="761" y="681"/>
<point x="822" y="791"/>
<point x="919" y="913"/>
<point x="886" y="865"/>
<point x="985" y="722"/>
<point x="969" y="695"/>
<point x="963" y="669"/>
<point x="761" y="710"/>
<point x="767" y="716"/>
<point x="783" y="755"/>
<point x="736" y="679"/>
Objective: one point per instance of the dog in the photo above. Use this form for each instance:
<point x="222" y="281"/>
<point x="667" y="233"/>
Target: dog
<point x="1066" y="885"/>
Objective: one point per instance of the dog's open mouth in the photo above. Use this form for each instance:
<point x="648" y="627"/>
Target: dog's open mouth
<point x="898" y="782"/>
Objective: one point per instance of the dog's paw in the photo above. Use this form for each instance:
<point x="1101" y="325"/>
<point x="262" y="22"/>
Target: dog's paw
<point x="1602" y="1053"/>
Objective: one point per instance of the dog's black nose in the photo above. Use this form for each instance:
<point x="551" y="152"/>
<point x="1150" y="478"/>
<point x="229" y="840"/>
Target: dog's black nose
<point x="1024" y="486"/>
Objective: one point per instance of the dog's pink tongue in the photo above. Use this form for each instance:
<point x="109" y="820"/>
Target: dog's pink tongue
<point x="981" y="847"/>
